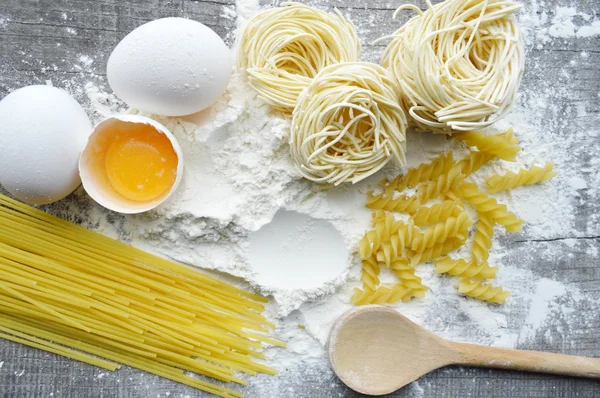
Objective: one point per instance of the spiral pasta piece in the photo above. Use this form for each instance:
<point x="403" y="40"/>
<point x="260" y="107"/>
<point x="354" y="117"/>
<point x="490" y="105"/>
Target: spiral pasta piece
<point x="441" y="185"/>
<point x="392" y="249"/>
<point x="282" y="49"/>
<point x="424" y="172"/>
<point x="370" y="273"/>
<point x="474" y="161"/>
<point x="485" y="204"/>
<point x="482" y="291"/>
<point x="435" y="251"/>
<point x="385" y="201"/>
<point x="461" y="267"/>
<point x="499" y="145"/>
<point x="385" y="294"/>
<point x="406" y="275"/>
<point x="459" y="63"/>
<point x="384" y="226"/>
<point x="451" y="228"/>
<point x="482" y="239"/>
<point x="347" y="124"/>
<point x="437" y="212"/>
<point x="523" y="177"/>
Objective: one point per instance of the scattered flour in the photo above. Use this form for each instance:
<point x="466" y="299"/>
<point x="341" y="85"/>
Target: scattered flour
<point x="238" y="176"/>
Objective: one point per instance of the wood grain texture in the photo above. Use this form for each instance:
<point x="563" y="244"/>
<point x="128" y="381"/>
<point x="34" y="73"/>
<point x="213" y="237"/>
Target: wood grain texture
<point x="55" y="40"/>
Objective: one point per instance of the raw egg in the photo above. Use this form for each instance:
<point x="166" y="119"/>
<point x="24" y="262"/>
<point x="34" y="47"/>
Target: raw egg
<point x="131" y="164"/>
<point x="170" y="66"/>
<point x="42" y="133"/>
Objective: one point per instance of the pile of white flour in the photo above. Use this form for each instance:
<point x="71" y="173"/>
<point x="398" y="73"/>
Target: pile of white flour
<point x="239" y="175"/>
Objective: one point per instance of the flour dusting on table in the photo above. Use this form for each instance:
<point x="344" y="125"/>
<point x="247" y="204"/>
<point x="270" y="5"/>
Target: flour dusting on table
<point x="238" y="175"/>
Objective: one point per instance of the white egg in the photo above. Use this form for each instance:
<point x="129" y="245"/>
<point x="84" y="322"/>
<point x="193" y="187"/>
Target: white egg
<point x="42" y="132"/>
<point x="171" y="67"/>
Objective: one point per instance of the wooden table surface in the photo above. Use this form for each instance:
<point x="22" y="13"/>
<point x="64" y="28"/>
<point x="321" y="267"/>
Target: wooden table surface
<point x="68" y="42"/>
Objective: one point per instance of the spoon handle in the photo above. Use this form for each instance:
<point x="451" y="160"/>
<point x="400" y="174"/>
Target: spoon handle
<point x="531" y="361"/>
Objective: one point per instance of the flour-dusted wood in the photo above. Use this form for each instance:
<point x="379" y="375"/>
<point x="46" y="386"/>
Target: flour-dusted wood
<point x="45" y="39"/>
<point x="375" y="350"/>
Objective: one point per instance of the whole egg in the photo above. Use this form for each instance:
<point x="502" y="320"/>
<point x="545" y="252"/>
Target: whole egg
<point x="171" y="67"/>
<point x="42" y="132"/>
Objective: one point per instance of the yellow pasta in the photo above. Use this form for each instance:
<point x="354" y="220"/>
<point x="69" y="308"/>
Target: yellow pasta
<point x="463" y="268"/>
<point x="76" y="293"/>
<point x="482" y="239"/>
<point x="370" y="273"/>
<point x="435" y="251"/>
<point x="500" y="145"/>
<point x="283" y="48"/>
<point x="522" y="177"/>
<point x="474" y="161"/>
<point x="485" y="204"/>
<point x="437" y="212"/>
<point x="482" y="291"/>
<point x="406" y="275"/>
<point x="441" y="185"/>
<point x="384" y="226"/>
<point x="392" y="249"/>
<point x="426" y="171"/>
<point x="385" y="294"/>
<point x="386" y="201"/>
<point x="453" y="227"/>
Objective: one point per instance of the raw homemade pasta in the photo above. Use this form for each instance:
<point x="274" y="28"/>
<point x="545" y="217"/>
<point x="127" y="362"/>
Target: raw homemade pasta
<point x="282" y="49"/>
<point x="347" y="124"/>
<point x="459" y="63"/>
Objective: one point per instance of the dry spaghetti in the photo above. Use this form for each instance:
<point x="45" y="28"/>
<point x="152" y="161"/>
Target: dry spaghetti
<point x="79" y="294"/>
<point x="347" y="124"/>
<point x="283" y="48"/>
<point x="459" y="63"/>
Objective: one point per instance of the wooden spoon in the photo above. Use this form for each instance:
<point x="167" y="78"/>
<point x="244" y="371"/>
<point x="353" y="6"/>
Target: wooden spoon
<point x="374" y="350"/>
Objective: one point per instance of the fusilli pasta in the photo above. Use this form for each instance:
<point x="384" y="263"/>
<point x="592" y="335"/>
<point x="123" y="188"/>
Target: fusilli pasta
<point x="451" y="228"/>
<point x="461" y="267"/>
<point x="437" y="212"/>
<point x="474" y="161"/>
<point x="406" y="275"/>
<point x="482" y="239"/>
<point x="482" y="291"/>
<point x="441" y="185"/>
<point x="392" y="249"/>
<point x="485" y="204"/>
<point x="435" y="251"/>
<point x="523" y="177"/>
<point x="426" y="171"/>
<point x="385" y="294"/>
<point x="370" y="273"/>
<point x="384" y="225"/>
<point x="500" y="145"/>
<point x="386" y="201"/>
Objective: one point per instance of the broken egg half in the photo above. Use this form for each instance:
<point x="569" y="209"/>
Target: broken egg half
<point x="131" y="164"/>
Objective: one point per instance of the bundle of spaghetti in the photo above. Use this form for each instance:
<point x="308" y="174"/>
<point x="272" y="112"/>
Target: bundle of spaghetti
<point x="77" y="293"/>
<point x="511" y="180"/>
<point x="459" y="63"/>
<point x="347" y="124"/>
<point x="282" y="49"/>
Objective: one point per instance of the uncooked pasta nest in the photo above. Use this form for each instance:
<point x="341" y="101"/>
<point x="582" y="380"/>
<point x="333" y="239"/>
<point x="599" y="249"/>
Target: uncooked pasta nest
<point x="459" y="63"/>
<point x="282" y="49"/>
<point x="347" y="124"/>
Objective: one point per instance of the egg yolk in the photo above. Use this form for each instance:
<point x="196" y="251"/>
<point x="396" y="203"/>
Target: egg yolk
<point x="141" y="165"/>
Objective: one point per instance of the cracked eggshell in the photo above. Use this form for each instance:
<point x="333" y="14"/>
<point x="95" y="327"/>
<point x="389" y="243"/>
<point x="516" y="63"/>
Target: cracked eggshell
<point x="42" y="132"/>
<point x="171" y="67"/>
<point x="95" y="180"/>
